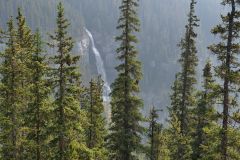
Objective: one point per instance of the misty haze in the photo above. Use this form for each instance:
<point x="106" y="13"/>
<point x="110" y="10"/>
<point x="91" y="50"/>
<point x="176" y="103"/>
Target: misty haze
<point x="119" y="79"/>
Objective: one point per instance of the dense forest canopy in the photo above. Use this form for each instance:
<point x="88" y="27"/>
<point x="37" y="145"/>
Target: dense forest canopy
<point x="119" y="80"/>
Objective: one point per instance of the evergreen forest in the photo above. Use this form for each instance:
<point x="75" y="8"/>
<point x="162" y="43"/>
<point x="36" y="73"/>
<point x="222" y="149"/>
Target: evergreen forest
<point x="88" y="80"/>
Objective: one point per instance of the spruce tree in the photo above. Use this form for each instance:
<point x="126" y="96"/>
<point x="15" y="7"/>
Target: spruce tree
<point x="126" y="130"/>
<point x="188" y="61"/>
<point x="163" y="142"/>
<point x="24" y="39"/>
<point x="38" y="114"/>
<point x="174" y="109"/>
<point x="153" y="134"/>
<point x="96" y="132"/>
<point x="24" y="35"/>
<point x="228" y="71"/>
<point x="205" y="114"/>
<point x="183" y="101"/>
<point x="179" y="144"/>
<point x="13" y="96"/>
<point x="157" y="138"/>
<point x="10" y="96"/>
<point x="67" y="130"/>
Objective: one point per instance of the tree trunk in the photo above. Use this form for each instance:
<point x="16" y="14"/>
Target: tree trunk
<point x="224" y="141"/>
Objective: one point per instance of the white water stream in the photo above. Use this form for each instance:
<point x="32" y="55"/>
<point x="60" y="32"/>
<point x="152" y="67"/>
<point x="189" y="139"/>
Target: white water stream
<point x="101" y="71"/>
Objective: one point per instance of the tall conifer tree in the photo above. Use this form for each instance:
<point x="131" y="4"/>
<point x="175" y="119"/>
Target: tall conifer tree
<point x="205" y="115"/>
<point x="126" y="130"/>
<point x="188" y="61"/>
<point x="179" y="144"/>
<point x="37" y="116"/>
<point x="11" y="105"/>
<point x="153" y="135"/>
<point x="157" y="138"/>
<point x="96" y="132"/>
<point x="24" y="38"/>
<point x="183" y="93"/>
<point x="68" y="138"/>
<point x="227" y="52"/>
<point x="16" y="71"/>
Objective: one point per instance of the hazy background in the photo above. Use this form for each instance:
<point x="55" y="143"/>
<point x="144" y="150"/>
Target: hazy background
<point x="162" y="26"/>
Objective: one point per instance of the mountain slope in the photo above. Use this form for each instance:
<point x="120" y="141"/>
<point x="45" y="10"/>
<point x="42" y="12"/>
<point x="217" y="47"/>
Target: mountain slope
<point x="162" y="26"/>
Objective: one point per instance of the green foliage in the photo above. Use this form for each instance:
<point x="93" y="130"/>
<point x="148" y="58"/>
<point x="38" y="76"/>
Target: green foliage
<point x="179" y="145"/>
<point x="46" y="113"/>
<point x="188" y="62"/>
<point x="24" y="39"/>
<point x="37" y="117"/>
<point x="183" y="98"/>
<point x="15" y="82"/>
<point x="157" y="138"/>
<point x="68" y="141"/>
<point x="125" y="130"/>
<point x="206" y="117"/>
<point x="227" y="52"/>
<point x="96" y="131"/>
<point x="11" y="103"/>
<point x="163" y="148"/>
<point x="153" y="133"/>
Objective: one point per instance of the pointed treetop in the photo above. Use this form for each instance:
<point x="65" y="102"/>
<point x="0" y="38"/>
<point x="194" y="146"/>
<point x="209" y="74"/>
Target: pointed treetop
<point x="207" y="69"/>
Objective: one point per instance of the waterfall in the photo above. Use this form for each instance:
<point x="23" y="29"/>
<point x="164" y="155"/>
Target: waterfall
<point x="100" y="69"/>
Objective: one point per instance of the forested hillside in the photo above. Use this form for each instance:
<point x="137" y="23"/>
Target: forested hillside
<point x="162" y="25"/>
<point x="44" y="10"/>
<point x="119" y="80"/>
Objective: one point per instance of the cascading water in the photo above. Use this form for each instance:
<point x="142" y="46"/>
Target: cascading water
<point x="101" y="71"/>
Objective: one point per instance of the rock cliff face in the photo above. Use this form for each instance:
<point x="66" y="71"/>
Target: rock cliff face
<point x="162" y="26"/>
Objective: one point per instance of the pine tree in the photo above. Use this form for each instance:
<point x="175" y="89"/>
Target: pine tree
<point x="15" y="77"/>
<point x="174" y="109"/>
<point x="96" y="132"/>
<point x="24" y="35"/>
<point x="188" y="61"/>
<point x="179" y="144"/>
<point x="205" y="115"/>
<point x="126" y="130"/>
<point x="163" y="142"/>
<point x="37" y="116"/>
<point x="24" y="39"/>
<point x="183" y="101"/>
<point x="158" y="138"/>
<point x="228" y="71"/>
<point x="153" y="134"/>
<point x="68" y="140"/>
<point x="14" y="94"/>
<point x="10" y="99"/>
